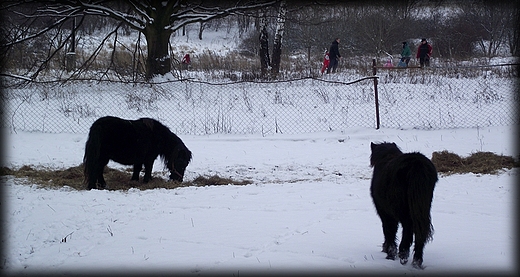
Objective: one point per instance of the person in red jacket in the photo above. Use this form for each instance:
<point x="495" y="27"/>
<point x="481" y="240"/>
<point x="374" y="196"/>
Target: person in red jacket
<point x="186" y="61"/>
<point x="424" y="52"/>
<point x="326" y="61"/>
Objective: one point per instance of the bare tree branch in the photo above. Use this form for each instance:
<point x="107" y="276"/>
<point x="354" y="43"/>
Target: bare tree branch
<point x="51" y="27"/>
<point x="52" y="53"/>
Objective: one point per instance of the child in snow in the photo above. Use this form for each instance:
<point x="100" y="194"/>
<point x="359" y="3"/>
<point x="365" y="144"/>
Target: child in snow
<point x="389" y="63"/>
<point x="326" y="61"/>
<point x="186" y="61"/>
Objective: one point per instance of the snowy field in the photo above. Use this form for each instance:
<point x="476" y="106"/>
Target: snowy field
<point x="308" y="209"/>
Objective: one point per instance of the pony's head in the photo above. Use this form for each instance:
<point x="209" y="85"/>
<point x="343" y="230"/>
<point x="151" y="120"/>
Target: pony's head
<point x="382" y="152"/>
<point x="177" y="163"/>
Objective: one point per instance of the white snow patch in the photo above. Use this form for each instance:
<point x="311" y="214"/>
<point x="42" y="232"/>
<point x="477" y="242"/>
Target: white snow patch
<point x="308" y="209"/>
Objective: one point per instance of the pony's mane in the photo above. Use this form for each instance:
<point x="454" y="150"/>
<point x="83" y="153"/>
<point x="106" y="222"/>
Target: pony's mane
<point x="167" y="147"/>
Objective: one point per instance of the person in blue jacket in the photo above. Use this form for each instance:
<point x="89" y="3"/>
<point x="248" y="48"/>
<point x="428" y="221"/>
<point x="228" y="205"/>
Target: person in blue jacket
<point x="406" y="53"/>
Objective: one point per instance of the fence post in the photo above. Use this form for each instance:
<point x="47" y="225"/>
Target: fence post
<point x="376" y="97"/>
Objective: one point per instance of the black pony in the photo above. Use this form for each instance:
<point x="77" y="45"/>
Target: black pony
<point x="132" y="142"/>
<point x="402" y="191"/>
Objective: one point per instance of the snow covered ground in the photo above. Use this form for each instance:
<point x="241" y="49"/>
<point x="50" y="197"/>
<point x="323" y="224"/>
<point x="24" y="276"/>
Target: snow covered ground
<point x="308" y="209"/>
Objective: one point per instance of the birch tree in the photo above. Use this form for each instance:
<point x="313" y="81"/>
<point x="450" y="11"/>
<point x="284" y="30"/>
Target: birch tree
<point x="272" y="65"/>
<point x="277" y="46"/>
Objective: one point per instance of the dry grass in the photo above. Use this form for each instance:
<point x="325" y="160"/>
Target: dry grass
<point x="116" y="179"/>
<point x="479" y="163"/>
<point x="446" y="163"/>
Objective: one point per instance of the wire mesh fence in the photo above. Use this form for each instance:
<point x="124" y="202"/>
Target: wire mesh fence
<point x="449" y="97"/>
<point x="416" y="98"/>
<point x="190" y="107"/>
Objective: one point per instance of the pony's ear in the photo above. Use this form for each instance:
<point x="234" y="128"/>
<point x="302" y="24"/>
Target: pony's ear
<point x="148" y="122"/>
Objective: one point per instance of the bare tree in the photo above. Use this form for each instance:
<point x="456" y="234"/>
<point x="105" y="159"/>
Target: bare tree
<point x="155" y="19"/>
<point x="491" y="24"/>
<point x="513" y="36"/>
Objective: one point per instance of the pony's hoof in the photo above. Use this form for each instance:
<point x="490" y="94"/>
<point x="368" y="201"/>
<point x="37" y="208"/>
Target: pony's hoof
<point x="417" y="264"/>
<point x="391" y="252"/>
<point x="403" y="256"/>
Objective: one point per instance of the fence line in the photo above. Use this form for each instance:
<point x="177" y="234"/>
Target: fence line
<point x="448" y="97"/>
<point x="417" y="98"/>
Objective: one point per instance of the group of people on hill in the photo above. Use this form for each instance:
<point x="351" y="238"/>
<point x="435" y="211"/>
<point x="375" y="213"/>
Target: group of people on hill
<point x="424" y="52"/>
<point x="332" y="56"/>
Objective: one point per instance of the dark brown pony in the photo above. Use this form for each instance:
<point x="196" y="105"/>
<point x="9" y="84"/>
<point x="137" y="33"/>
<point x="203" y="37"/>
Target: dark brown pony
<point x="402" y="191"/>
<point x="132" y="142"/>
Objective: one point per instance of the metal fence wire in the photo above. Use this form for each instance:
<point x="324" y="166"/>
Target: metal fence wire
<point x="449" y="97"/>
<point x="429" y="98"/>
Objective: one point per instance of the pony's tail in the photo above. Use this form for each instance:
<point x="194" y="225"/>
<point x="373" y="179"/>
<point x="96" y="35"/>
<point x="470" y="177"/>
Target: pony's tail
<point x="420" y="196"/>
<point x="92" y="152"/>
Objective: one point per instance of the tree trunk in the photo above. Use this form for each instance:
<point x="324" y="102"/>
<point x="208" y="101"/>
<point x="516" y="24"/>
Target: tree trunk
<point x="201" y="28"/>
<point x="265" y="61"/>
<point x="158" y="58"/>
<point x="70" y="62"/>
<point x="277" y="46"/>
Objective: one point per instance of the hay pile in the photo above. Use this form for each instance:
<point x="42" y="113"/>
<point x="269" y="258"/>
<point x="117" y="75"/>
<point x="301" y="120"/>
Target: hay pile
<point x="446" y="163"/>
<point x="479" y="163"/>
<point x="116" y="179"/>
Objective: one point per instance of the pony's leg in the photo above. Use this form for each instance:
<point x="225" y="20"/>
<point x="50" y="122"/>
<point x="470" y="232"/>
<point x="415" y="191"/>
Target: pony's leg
<point x="389" y="231"/>
<point x="92" y="177"/>
<point x="101" y="166"/>
<point x="92" y="181"/>
<point x="95" y="177"/>
<point x="137" y="170"/>
<point x="418" y="252"/>
<point x="406" y="240"/>
<point x="101" y="181"/>
<point x="147" y="171"/>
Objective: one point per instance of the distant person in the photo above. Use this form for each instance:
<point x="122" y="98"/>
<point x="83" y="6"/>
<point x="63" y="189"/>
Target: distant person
<point x="406" y="53"/>
<point x="186" y="61"/>
<point x="389" y="62"/>
<point x="424" y="52"/>
<point x="333" y="56"/>
<point x="326" y="62"/>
